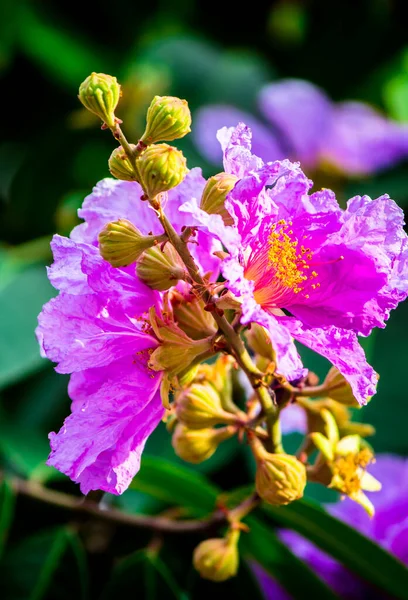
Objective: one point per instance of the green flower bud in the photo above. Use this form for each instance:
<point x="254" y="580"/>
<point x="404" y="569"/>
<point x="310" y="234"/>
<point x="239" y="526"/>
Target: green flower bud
<point x="260" y="341"/>
<point x="160" y="268"/>
<point x="168" y="118"/>
<point x="215" y="193"/>
<point x="120" y="166"/>
<point x="338" y="388"/>
<point x="176" y="351"/>
<point x="100" y="94"/>
<point x="280" y="478"/>
<point x="217" y="559"/>
<point x="161" y="167"/>
<point x="188" y="311"/>
<point x="121" y="243"/>
<point x="200" y="406"/>
<point x="196" y="446"/>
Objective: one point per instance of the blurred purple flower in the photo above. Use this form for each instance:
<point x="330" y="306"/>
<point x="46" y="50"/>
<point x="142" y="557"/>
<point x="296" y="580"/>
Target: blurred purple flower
<point x="388" y="527"/>
<point x="336" y="273"/>
<point x="96" y="329"/>
<point x="305" y="125"/>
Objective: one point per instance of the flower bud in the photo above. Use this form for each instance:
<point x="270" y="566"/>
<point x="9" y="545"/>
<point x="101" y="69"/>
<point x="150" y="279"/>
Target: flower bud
<point x="197" y="445"/>
<point x="159" y="268"/>
<point x="259" y="340"/>
<point x="338" y="388"/>
<point x="161" y="167"/>
<point x="215" y="193"/>
<point x="217" y="559"/>
<point x="200" y="406"/>
<point x="280" y="478"/>
<point x="120" y="166"/>
<point x="121" y="243"/>
<point x="176" y="351"/>
<point x="100" y="94"/>
<point x="190" y="315"/>
<point x="168" y="118"/>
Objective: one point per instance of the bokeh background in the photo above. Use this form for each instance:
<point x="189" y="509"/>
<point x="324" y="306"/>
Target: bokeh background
<point x="52" y="153"/>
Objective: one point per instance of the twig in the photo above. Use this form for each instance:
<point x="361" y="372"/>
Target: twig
<point x="35" y="490"/>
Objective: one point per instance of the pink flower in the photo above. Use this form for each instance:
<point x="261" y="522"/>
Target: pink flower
<point x="303" y="267"/>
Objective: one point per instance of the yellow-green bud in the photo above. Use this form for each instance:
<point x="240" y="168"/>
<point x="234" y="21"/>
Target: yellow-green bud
<point x="120" y="166"/>
<point x="121" y="243"/>
<point x="259" y="340"/>
<point x="215" y="193"/>
<point x="161" y="167"/>
<point x="168" y="118"/>
<point x="159" y="268"/>
<point x="176" y="351"/>
<point x="197" y="445"/>
<point x="100" y="94"/>
<point x="188" y="311"/>
<point x="280" y="478"/>
<point x="338" y="388"/>
<point x="217" y="559"/>
<point x="200" y="406"/>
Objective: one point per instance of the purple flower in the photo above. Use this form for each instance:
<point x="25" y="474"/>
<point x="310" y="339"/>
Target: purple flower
<point x="304" y="268"/>
<point x="388" y="527"/>
<point x="305" y="125"/>
<point x="97" y="329"/>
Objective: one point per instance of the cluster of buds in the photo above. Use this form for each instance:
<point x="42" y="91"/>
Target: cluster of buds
<point x="201" y="398"/>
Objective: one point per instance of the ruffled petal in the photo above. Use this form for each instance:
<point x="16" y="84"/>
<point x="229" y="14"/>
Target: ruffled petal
<point x="115" y="409"/>
<point x="65" y="274"/>
<point x="342" y="349"/>
<point x="80" y="332"/>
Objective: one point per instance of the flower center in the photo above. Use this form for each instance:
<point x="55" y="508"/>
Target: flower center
<point x="348" y="470"/>
<point x="281" y="269"/>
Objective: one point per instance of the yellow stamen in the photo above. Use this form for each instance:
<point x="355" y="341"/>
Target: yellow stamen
<point x="348" y="471"/>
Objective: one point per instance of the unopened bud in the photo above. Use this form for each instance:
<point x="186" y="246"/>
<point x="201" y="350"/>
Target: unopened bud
<point x="120" y="165"/>
<point x="259" y="340"/>
<point x="176" y="351"/>
<point x="160" y="268"/>
<point x="215" y="193"/>
<point x="197" y="445"/>
<point x="338" y="388"/>
<point x="200" y="406"/>
<point x="168" y="118"/>
<point x="161" y="167"/>
<point x="121" y="243"/>
<point x="280" y="478"/>
<point x="100" y="94"/>
<point x="190" y="315"/>
<point x="217" y="559"/>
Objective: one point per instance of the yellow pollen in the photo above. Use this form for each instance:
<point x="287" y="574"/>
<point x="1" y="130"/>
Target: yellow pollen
<point x="350" y="469"/>
<point x="287" y="262"/>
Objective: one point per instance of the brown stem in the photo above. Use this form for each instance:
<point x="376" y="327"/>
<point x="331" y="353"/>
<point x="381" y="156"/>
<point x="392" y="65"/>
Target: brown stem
<point x="35" y="490"/>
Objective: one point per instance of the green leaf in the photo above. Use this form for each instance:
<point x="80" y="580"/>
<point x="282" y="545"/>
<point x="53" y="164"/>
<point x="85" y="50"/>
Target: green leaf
<point x="25" y="451"/>
<point x="262" y="544"/>
<point x="145" y="573"/>
<point x="21" y="300"/>
<point x="7" y="500"/>
<point x="358" y="553"/>
<point x="49" y="564"/>
<point x="176" y="485"/>
<point x="65" y="56"/>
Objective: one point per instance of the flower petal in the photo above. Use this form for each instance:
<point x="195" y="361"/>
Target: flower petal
<point x="114" y="411"/>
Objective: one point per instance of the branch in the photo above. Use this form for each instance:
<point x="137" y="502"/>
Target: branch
<point x="35" y="490"/>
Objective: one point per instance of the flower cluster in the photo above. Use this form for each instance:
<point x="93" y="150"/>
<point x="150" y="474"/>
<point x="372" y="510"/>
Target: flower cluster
<point x="168" y="270"/>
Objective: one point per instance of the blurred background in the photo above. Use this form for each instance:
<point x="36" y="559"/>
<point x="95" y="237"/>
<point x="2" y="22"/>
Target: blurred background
<point x="52" y="152"/>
